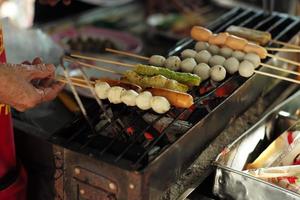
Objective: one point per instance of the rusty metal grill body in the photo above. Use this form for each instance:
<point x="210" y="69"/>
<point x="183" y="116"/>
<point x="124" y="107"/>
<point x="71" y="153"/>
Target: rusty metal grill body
<point x="118" y="165"/>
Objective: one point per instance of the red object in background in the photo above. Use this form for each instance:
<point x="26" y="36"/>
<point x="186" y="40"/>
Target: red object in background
<point x="8" y="161"/>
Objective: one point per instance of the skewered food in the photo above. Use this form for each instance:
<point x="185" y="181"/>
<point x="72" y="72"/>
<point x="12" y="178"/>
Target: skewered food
<point x="114" y="94"/>
<point x="143" y="100"/>
<point x="177" y="99"/>
<point x="101" y="89"/>
<point x="185" y="78"/>
<point x="238" y="55"/>
<point x="203" y="56"/>
<point x="246" y="69"/>
<point x="214" y="49"/>
<point x="254" y="48"/>
<point x="253" y="35"/>
<point x="188" y="65"/>
<point x="218" y="39"/>
<point x="173" y="63"/>
<point x="217" y="73"/>
<point x="236" y="43"/>
<point x="160" y="104"/>
<point x="231" y="65"/>
<point x="157" y="81"/>
<point x="200" y="33"/>
<point x="216" y="60"/>
<point x="254" y="58"/>
<point x="199" y="46"/>
<point x="188" y="53"/>
<point x="157" y="60"/>
<point x="226" y="52"/>
<point x="129" y="97"/>
<point x="202" y="70"/>
<point x="125" y="85"/>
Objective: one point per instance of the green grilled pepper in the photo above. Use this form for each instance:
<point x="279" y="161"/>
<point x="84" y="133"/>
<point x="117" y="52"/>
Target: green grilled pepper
<point x="185" y="78"/>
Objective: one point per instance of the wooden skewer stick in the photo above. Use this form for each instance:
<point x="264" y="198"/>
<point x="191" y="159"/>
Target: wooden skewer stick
<point x="102" y="60"/>
<point x="76" y="84"/>
<point x="279" y="69"/>
<point x="75" y="79"/>
<point x="283" y="49"/>
<point x="284" y="60"/>
<point x="285" y="44"/>
<point x="276" y="76"/>
<point x="92" y="66"/>
<point x="127" y="54"/>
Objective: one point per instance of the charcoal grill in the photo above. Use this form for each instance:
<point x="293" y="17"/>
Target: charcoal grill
<point x="135" y="156"/>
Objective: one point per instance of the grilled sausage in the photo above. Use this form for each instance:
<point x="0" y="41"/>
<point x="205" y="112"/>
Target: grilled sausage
<point x="200" y="33"/>
<point x="177" y="99"/>
<point x="236" y="43"/>
<point x="254" y="48"/>
<point x="218" y="39"/>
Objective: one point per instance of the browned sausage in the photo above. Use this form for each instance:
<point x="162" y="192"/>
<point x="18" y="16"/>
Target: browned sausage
<point x="200" y="33"/>
<point x="254" y="48"/>
<point x="218" y="39"/>
<point x="236" y="43"/>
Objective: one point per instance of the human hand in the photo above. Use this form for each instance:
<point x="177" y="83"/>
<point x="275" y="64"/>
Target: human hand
<point x="54" y="2"/>
<point x="26" y="85"/>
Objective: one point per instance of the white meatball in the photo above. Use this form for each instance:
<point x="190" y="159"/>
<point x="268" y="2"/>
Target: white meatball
<point x="217" y="73"/>
<point x="101" y="89"/>
<point x="254" y="58"/>
<point x="226" y="52"/>
<point x="129" y="97"/>
<point x="238" y="55"/>
<point x="188" y="64"/>
<point x="143" y="100"/>
<point x="114" y="94"/>
<point x="157" y="60"/>
<point x="216" y="60"/>
<point x="246" y="69"/>
<point x="199" y="46"/>
<point x="173" y="63"/>
<point x="203" y="56"/>
<point x="188" y="53"/>
<point x="214" y="49"/>
<point x="160" y="104"/>
<point x="231" y="65"/>
<point x="202" y="70"/>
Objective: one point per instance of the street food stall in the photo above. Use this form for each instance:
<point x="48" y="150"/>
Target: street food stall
<point x="183" y="105"/>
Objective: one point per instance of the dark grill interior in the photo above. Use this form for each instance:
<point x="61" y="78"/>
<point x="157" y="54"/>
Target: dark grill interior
<point x="134" y="138"/>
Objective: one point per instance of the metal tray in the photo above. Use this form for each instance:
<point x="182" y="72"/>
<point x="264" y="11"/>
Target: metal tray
<point x="230" y="181"/>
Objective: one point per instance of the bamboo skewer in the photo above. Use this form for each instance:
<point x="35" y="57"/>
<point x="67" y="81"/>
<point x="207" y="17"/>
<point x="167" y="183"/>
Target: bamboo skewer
<point x="101" y="60"/>
<point x="126" y="54"/>
<point x="285" y="44"/>
<point x="93" y="66"/>
<point x="280" y="69"/>
<point x="283" y="50"/>
<point x="76" y="84"/>
<point x="276" y="76"/>
<point x="284" y="60"/>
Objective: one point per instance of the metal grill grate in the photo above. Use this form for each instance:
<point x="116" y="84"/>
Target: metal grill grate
<point x="129" y="140"/>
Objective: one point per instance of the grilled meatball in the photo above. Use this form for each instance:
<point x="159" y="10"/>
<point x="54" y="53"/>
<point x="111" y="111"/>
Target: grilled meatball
<point x="173" y="63"/>
<point x="217" y="73"/>
<point x="157" y="60"/>
<point x="129" y="97"/>
<point x="199" y="46"/>
<point x="238" y="55"/>
<point x="101" y="89"/>
<point x="114" y="94"/>
<point x="213" y="49"/>
<point x="143" y="100"/>
<point x="188" y="53"/>
<point x="160" y="104"/>
<point x="231" y="65"/>
<point x="203" y="56"/>
<point x="226" y="52"/>
<point x="188" y="65"/>
<point x="254" y="58"/>
<point x="216" y="60"/>
<point x="246" y="69"/>
<point x="202" y="70"/>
